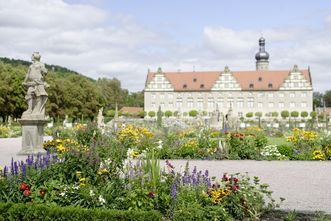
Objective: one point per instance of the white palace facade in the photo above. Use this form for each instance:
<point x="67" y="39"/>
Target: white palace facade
<point x="260" y="90"/>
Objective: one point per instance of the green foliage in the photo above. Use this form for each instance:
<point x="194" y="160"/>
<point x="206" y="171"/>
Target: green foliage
<point x="42" y="212"/>
<point x="249" y="114"/>
<point x="159" y="117"/>
<point x="286" y="150"/>
<point x="151" y="114"/>
<point x="294" y="114"/>
<point x="313" y="114"/>
<point x="168" y="113"/>
<point x="193" y="113"/>
<point x="258" y="114"/>
<point x="69" y="93"/>
<point x="274" y="114"/>
<point x="285" y="114"/>
<point x="304" y="114"/>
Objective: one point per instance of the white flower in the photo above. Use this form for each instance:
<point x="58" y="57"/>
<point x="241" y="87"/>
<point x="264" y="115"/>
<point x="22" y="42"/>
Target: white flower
<point x="159" y="144"/>
<point x="91" y="193"/>
<point x="63" y="194"/>
<point x="101" y="200"/>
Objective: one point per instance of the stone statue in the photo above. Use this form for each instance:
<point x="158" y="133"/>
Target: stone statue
<point x="36" y="95"/>
<point x="231" y="122"/>
<point x="100" y="119"/>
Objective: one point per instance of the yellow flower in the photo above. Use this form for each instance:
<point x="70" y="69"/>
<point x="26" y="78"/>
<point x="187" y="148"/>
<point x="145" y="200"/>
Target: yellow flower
<point x="82" y="181"/>
<point x="318" y="155"/>
<point x="78" y="174"/>
<point x="102" y="171"/>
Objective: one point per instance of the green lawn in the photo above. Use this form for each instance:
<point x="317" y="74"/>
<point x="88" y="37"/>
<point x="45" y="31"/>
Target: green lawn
<point x="277" y="141"/>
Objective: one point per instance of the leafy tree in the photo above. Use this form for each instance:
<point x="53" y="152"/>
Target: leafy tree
<point x="313" y="114"/>
<point x="151" y="114"/>
<point x="317" y="99"/>
<point x="304" y="114"/>
<point x="294" y="114"/>
<point x="274" y="114"/>
<point x="327" y="98"/>
<point x="249" y="114"/>
<point x="193" y="113"/>
<point x="285" y="114"/>
<point x="159" y="117"/>
<point x="168" y="113"/>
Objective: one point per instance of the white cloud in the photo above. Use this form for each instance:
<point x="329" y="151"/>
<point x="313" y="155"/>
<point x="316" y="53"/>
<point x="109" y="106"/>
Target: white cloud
<point x="99" y="43"/>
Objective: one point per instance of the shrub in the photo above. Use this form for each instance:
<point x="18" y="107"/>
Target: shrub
<point x="304" y="114"/>
<point x="286" y="150"/>
<point x="285" y="114"/>
<point x="42" y="212"/>
<point x="151" y="114"/>
<point x="193" y="113"/>
<point x="168" y="113"/>
<point x="249" y="114"/>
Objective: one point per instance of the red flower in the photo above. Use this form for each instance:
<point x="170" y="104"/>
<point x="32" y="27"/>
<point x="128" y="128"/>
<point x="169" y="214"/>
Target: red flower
<point x="235" y="180"/>
<point x="42" y="192"/>
<point x="23" y="186"/>
<point x="235" y="188"/>
<point x="225" y="177"/>
<point x="151" y="195"/>
<point x="26" y="192"/>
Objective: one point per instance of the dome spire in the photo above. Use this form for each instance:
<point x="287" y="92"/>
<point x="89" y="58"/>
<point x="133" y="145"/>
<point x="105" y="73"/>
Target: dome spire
<point x="262" y="57"/>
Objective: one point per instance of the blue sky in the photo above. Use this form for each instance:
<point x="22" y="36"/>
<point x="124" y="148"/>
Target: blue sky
<point x="123" y="38"/>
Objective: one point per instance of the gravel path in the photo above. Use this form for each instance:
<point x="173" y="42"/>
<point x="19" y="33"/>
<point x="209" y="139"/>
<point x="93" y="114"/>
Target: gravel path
<point x="306" y="185"/>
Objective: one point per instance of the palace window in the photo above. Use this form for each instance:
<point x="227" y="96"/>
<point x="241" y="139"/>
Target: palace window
<point x="281" y="105"/>
<point x="250" y="102"/>
<point x="292" y="104"/>
<point x="251" y="86"/>
<point x="260" y="105"/>
<point x="179" y="102"/>
<point x="200" y="103"/>
<point x="210" y="103"/>
<point x="240" y="102"/>
<point x="190" y="102"/>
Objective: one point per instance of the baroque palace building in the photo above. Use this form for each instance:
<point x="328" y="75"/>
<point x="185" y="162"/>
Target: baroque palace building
<point x="260" y="90"/>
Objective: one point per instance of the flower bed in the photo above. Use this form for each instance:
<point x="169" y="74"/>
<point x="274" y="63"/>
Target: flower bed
<point x="102" y="175"/>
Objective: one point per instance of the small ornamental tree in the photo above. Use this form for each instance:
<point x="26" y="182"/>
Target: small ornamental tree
<point x="258" y="115"/>
<point x="110" y="113"/>
<point x="193" y="113"/>
<point x="176" y="113"/>
<point x="294" y="114"/>
<point x="168" y="113"/>
<point x="151" y="114"/>
<point x="313" y="114"/>
<point x="249" y="114"/>
<point x="285" y="114"/>
<point x="159" y="117"/>
<point x="142" y="114"/>
<point x="274" y="114"/>
<point x="304" y="114"/>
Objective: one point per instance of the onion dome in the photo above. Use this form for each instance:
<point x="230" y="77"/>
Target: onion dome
<point x="262" y="55"/>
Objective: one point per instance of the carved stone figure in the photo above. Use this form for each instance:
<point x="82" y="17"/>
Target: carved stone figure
<point x="100" y="119"/>
<point x="36" y="95"/>
<point x="231" y="122"/>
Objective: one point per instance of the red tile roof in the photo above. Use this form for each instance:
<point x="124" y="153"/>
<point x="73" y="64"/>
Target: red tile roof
<point x="184" y="81"/>
<point x="131" y="110"/>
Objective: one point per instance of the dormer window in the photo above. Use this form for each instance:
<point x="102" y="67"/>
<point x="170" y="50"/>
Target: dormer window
<point x="184" y="86"/>
<point x="251" y="86"/>
<point x="260" y="78"/>
<point x="270" y="85"/>
<point x="202" y="86"/>
<point x="194" y="80"/>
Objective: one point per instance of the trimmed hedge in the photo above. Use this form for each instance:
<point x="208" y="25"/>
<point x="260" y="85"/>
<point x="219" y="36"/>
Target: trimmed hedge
<point x="22" y="212"/>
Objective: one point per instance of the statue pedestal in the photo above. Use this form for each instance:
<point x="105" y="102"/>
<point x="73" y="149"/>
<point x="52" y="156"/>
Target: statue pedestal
<point x="32" y="136"/>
